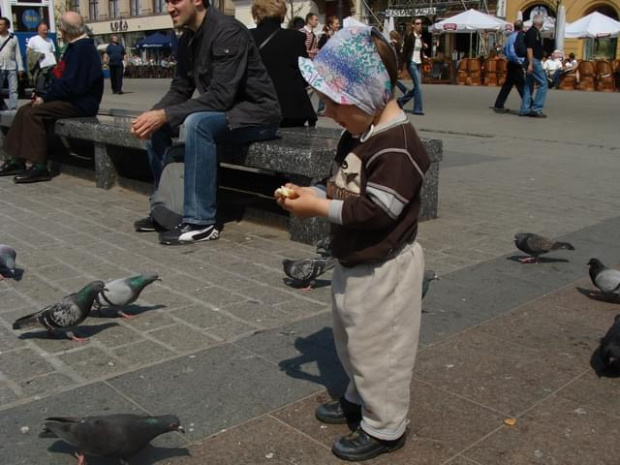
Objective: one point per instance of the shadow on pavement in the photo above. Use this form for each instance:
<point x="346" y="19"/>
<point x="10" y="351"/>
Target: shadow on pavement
<point x="150" y="455"/>
<point x="318" y="348"/>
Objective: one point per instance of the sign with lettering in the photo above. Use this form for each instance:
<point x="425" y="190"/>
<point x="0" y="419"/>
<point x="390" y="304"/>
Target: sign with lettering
<point x="119" y="26"/>
<point x="411" y="12"/>
<point x="31" y="18"/>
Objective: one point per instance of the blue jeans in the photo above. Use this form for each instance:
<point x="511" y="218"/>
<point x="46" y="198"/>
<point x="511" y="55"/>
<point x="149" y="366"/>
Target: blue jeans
<point x="402" y="87"/>
<point x="11" y="77"/>
<point x="203" y="131"/>
<point x="416" y="91"/>
<point x="537" y="103"/>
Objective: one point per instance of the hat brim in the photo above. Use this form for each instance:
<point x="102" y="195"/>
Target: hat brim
<point x="313" y="78"/>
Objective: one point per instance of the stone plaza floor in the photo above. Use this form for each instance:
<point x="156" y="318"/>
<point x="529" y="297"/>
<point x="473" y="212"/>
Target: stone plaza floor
<point x="244" y="360"/>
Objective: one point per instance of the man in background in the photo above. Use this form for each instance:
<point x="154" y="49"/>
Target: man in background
<point x="41" y="57"/>
<point x="515" y="75"/>
<point x="312" y="43"/>
<point x="10" y="62"/>
<point x="115" y="55"/>
<point x="532" y="105"/>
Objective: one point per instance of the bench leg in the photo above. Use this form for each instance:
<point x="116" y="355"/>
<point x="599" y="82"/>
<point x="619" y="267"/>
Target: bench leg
<point x="430" y="194"/>
<point x="105" y="172"/>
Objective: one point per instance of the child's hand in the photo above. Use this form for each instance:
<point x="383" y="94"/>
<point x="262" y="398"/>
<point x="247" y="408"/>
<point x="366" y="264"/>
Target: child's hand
<point x="306" y="204"/>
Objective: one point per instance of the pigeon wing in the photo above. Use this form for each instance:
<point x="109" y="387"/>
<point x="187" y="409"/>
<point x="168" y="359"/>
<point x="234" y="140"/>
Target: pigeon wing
<point x="64" y="314"/>
<point x="608" y="281"/>
<point x="539" y="244"/>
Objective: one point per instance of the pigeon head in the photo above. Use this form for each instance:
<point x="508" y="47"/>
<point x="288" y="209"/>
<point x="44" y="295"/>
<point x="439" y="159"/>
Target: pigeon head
<point x="90" y="291"/>
<point x="430" y="275"/>
<point x="520" y="236"/>
<point x="166" y="423"/>
<point x="595" y="263"/>
<point x="143" y="280"/>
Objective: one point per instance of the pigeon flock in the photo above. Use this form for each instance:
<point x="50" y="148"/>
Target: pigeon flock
<point x="121" y="436"/>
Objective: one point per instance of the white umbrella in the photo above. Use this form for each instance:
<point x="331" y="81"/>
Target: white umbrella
<point x="593" y="26"/>
<point x="560" y="28"/>
<point x="472" y="21"/>
<point x="386" y="26"/>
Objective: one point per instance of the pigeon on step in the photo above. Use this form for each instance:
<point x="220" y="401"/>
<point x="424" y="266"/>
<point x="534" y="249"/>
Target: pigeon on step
<point x="610" y="346"/>
<point x="535" y="246"/>
<point x="606" y="279"/>
<point x="429" y="276"/>
<point x="7" y="261"/>
<point x="117" y="436"/>
<point x="66" y="314"/>
<point x="122" y="292"/>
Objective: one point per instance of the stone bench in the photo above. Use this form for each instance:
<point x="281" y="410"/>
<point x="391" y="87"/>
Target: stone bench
<point x="303" y="155"/>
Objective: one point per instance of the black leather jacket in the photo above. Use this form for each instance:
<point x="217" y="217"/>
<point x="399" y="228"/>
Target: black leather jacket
<point x="222" y="62"/>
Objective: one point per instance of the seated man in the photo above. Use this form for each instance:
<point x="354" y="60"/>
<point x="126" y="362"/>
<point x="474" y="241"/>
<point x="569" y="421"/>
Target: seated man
<point x="236" y="102"/>
<point x="77" y="93"/>
<point x="552" y="68"/>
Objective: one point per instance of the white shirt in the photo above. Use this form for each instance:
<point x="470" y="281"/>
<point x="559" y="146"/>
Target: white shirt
<point x="10" y="56"/>
<point x="552" y="65"/>
<point x="45" y="47"/>
<point x="416" y="56"/>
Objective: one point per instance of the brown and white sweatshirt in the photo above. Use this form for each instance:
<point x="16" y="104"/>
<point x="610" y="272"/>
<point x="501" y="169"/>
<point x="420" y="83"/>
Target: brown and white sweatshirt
<point x="375" y="187"/>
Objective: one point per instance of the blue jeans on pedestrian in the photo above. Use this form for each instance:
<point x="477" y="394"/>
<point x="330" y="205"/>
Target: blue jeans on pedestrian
<point x="203" y="132"/>
<point x="11" y="77"/>
<point x="537" y="103"/>
<point x="402" y="87"/>
<point x="416" y="91"/>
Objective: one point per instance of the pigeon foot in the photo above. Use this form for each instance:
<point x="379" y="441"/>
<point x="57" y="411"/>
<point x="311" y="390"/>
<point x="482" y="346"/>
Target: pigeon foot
<point x="127" y="316"/>
<point x="75" y="338"/>
<point x="528" y="260"/>
<point x="81" y="458"/>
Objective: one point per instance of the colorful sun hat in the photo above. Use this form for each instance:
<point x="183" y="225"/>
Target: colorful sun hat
<point x="349" y="70"/>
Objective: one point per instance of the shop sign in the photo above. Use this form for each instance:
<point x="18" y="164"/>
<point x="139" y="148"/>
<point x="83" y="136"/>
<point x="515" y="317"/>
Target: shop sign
<point x="411" y="12"/>
<point x="119" y="26"/>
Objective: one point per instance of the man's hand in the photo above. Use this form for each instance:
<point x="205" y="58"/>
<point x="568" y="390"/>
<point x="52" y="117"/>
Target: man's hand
<point x="37" y="101"/>
<point x="147" y="123"/>
<point x="530" y="68"/>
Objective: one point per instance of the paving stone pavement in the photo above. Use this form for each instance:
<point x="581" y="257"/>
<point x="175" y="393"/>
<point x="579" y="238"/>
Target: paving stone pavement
<point x="244" y="360"/>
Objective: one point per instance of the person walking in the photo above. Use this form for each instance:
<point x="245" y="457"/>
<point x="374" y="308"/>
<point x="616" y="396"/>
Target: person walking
<point x="11" y="62"/>
<point x="413" y="54"/>
<point x="515" y="75"/>
<point x="115" y="54"/>
<point x="532" y="105"/>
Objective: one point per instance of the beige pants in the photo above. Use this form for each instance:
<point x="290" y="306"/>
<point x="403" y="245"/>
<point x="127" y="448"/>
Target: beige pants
<point x="376" y="311"/>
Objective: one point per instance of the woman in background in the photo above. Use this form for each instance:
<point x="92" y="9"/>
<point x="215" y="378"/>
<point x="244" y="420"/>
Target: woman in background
<point x="280" y="49"/>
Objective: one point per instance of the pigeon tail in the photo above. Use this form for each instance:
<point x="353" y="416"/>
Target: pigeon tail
<point x="563" y="245"/>
<point x="27" y="321"/>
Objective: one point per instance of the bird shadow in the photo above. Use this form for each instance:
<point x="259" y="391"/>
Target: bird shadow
<point x="135" y="310"/>
<point x="314" y="284"/>
<point x="80" y="331"/>
<point x="518" y="258"/>
<point x="602" y="371"/>
<point x="597" y="295"/>
<point x="317" y="348"/>
<point x="150" y="455"/>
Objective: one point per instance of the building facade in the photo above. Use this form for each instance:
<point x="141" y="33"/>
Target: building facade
<point x="575" y="9"/>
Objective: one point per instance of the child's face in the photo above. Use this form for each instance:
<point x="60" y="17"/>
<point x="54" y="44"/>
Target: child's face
<point x="349" y="117"/>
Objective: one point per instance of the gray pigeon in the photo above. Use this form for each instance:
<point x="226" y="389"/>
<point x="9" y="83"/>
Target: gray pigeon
<point x="535" y="246"/>
<point x="7" y="261"/>
<point x="122" y="292"/>
<point x="610" y="346"/>
<point x="306" y="270"/>
<point x="66" y="314"/>
<point x="117" y="436"/>
<point x="429" y="276"/>
<point x="606" y="279"/>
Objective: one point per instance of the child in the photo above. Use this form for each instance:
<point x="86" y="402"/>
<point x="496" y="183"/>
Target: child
<point x="372" y="200"/>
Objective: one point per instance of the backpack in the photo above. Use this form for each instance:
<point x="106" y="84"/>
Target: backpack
<point x="520" y="48"/>
<point x="167" y="200"/>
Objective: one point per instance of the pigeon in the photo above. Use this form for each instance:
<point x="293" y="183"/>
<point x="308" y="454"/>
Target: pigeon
<point x="122" y="292"/>
<point x="610" y="346"/>
<point x="606" y="279"/>
<point x="306" y="270"/>
<point x="7" y="261"/>
<point x="117" y="436"/>
<point x="66" y="314"/>
<point x="429" y="276"/>
<point x="535" y="245"/>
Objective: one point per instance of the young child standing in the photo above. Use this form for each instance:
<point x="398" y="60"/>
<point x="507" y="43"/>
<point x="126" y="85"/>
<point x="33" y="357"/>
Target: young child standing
<point x="372" y="199"/>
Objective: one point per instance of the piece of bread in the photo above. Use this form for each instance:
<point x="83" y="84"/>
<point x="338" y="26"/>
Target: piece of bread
<point x="286" y="192"/>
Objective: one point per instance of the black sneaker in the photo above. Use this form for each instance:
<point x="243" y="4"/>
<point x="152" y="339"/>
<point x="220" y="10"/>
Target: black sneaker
<point x="33" y="174"/>
<point x="537" y="114"/>
<point x="147" y="224"/>
<point x="339" y="412"/>
<point x="12" y="167"/>
<point x="359" y="446"/>
<point x="189" y="233"/>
